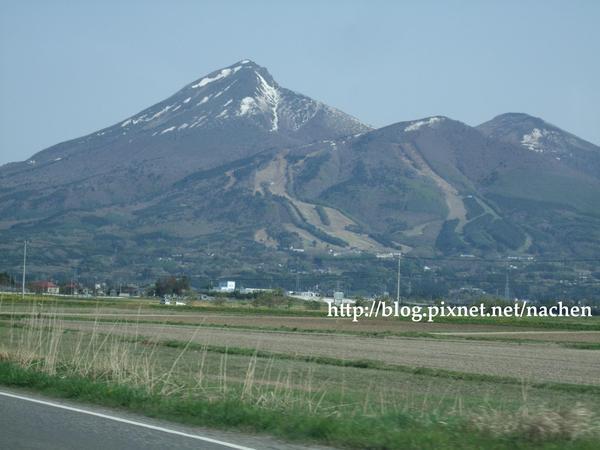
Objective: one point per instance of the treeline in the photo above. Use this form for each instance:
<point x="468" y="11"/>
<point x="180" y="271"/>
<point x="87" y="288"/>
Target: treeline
<point x="323" y="215"/>
<point x="171" y="286"/>
<point x="6" y="279"/>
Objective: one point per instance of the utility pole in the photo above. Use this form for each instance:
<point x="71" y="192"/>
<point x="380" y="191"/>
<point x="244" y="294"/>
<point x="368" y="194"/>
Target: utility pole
<point x="506" y="285"/>
<point x="24" y="268"/>
<point x="398" y="286"/>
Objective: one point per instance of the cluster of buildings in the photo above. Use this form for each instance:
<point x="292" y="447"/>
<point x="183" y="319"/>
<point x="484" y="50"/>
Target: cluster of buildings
<point x="49" y="287"/>
<point x="227" y="287"/>
<point x="45" y="287"/>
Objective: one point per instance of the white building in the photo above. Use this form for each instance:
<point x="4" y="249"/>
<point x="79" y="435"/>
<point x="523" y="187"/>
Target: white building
<point x="306" y="295"/>
<point x="226" y="286"/>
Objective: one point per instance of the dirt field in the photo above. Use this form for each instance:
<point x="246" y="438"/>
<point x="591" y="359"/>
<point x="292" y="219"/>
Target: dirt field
<point x="303" y="323"/>
<point x="529" y="362"/>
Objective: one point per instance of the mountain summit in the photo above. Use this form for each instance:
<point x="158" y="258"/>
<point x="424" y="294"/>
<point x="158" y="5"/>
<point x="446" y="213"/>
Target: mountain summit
<point x="539" y="136"/>
<point x="244" y="94"/>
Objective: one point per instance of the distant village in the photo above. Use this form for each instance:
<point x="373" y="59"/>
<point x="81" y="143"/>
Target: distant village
<point x="172" y="290"/>
<point x="173" y="296"/>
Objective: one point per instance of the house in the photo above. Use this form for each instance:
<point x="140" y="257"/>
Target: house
<point x="130" y="290"/>
<point x="71" y="288"/>
<point x="45" y="287"/>
<point x="226" y="286"/>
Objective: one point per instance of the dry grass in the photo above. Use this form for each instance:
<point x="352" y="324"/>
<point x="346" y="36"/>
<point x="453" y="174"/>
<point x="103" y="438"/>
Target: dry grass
<point x="539" y="424"/>
<point x="45" y="345"/>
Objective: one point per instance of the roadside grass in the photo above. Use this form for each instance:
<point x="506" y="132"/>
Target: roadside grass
<point x="389" y="430"/>
<point x="333" y="401"/>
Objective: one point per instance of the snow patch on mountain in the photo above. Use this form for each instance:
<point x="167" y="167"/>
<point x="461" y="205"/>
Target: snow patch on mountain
<point x="246" y="105"/>
<point x="266" y="100"/>
<point x="414" y="126"/>
<point x="160" y="113"/>
<point x="534" y="140"/>
<point x="222" y="74"/>
<point x="198" y="121"/>
<point x="269" y="97"/>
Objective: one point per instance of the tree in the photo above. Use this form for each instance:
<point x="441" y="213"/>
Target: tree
<point x="270" y="299"/>
<point x="6" y="279"/>
<point x="172" y="285"/>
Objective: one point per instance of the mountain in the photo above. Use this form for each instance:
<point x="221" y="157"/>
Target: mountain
<point x="235" y="173"/>
<point x="555" y="196"/>
<point x="226" y="115"/>
<point x="538" y="136"/>
<point x="436" y="184"/>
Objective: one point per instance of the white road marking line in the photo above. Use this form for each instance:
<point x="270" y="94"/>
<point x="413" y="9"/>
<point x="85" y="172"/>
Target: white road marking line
<point x="127" y="421"/>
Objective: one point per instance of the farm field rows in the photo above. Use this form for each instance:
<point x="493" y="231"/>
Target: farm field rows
<point x="284" y="363"/>
<point x="531" y="362"/>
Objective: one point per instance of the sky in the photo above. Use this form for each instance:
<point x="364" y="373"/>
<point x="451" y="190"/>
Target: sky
<point x="68" y="68"/>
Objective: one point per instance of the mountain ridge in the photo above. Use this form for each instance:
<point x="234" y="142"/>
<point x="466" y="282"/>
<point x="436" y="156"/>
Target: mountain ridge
<point x="235" y="162"/>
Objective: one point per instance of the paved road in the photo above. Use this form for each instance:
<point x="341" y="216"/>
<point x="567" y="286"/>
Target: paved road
<point x="31" y="422"/>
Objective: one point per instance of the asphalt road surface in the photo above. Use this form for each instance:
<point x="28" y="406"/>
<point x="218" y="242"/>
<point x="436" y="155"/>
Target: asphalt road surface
<point x="30" y="422"/>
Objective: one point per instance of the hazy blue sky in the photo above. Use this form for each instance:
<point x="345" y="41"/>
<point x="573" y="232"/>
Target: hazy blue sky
<point x="68" y="68"/>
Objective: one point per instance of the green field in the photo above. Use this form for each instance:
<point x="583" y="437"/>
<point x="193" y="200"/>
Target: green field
<point x="184" y="367"/>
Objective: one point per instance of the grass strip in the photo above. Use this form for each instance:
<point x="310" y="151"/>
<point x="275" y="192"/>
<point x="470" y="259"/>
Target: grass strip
<point x="391" y="431"/>
<point x="582" y="345"/>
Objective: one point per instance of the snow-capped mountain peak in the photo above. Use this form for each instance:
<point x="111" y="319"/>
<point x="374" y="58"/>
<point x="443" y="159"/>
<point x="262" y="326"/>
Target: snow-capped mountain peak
<point x="241" y="103"/>
<point x="243" y="91"/>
